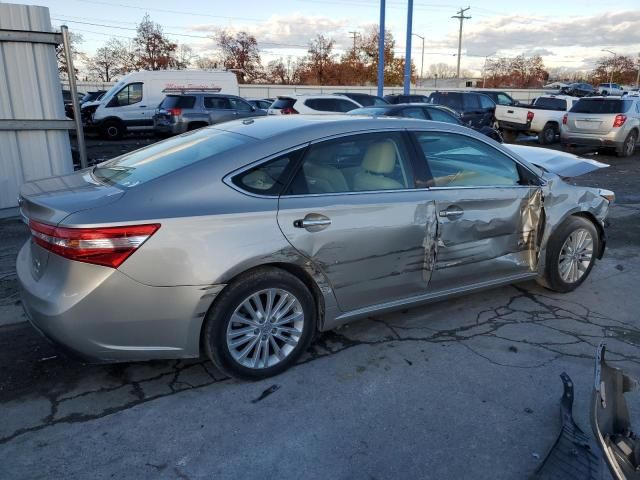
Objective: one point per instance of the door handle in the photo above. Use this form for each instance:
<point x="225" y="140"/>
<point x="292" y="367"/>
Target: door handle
<point x="143" y="106"/>
<point x="451" y="213"/>
<point x="312" y="222"/>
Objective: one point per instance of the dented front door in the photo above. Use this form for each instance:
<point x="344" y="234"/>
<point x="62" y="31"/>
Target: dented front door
<point x="485" y="234"/>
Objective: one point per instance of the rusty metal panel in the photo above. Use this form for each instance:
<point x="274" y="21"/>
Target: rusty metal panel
<point x="30" y="89"/>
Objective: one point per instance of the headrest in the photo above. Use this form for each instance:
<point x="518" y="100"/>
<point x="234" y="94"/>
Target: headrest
<point x="380" y="157"/>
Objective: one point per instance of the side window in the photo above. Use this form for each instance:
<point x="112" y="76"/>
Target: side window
<point x="129" y="95"/>
<point x="440" y="116"/>
<point x="451" y="100"/>
<point x="217" y="103"/>
<point x="486" y="102"/>
<point x="460" y="161"/>
<point x="503" y="99"/>
<point x="413" y="112"/>
<point x="344" y="105"/>
<point x="471" y="102"/>
<point x="321" y="104"/>
<point x="240" y="105"/>
<point x="268" y="178"/>
<point x="356" y="163"/>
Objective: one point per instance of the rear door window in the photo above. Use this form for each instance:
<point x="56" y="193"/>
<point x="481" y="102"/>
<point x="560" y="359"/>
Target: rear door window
<point x="217" y="103"/>
<point x="600" y="105"/>
<point x="413" y="112"/>
<point x="471" y="102"/>
<point x="451" y="100"/>
<point x="268" y="178"/>
<point x="140" y="166"/>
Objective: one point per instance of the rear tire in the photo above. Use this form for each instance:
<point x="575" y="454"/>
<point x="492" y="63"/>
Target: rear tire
<point x="510" y="136"/>
<point x="237" y="322"/>
<point x="629" y="145"/>
<point x="548" y="134"/>
<point x="112" y="130"/>
<point x="571" y="253"/>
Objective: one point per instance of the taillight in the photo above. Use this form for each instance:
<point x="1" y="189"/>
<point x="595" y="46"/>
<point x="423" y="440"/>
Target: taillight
<point x="174" y="112"/>
<point x="619" y="121"/>
<point x="530" y="116"/>
<point x="108" y="246"/>
<point x="288" y="111"/>
<point x="565" y="119"/>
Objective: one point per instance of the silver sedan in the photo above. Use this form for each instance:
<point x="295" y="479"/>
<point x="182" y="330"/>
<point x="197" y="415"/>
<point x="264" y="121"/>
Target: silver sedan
<point x="241" y="241"/>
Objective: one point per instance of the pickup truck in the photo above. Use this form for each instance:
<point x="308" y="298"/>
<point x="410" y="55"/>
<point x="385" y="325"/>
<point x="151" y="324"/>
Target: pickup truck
<point x="543" y="118"/>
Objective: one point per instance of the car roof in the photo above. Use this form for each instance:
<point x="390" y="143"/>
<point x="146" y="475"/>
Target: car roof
<point x="310" y="127"/>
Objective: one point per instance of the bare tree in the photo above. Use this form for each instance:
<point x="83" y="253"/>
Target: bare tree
<point x="240" y="53"/>
<point x="63" y="68"/>
<point x="208" y="63"/>
<point x="105" y="64"/>
<point x="279" y="72"/>
<point x="185" y="56"/>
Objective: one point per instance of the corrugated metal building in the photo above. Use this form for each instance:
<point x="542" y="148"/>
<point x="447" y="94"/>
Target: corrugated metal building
<point x="30" y="89"/>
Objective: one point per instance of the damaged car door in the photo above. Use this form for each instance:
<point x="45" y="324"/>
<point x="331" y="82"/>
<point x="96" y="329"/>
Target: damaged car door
<point x="353" y="210"/>
<point x="489" y="210"/>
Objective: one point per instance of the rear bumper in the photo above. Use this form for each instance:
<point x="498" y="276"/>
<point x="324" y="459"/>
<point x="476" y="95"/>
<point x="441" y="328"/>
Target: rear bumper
<point x="102" y="315"/>
<point x="614" y="139"/>
<point x="518" y="127"/>
<point x="168" y="128"/>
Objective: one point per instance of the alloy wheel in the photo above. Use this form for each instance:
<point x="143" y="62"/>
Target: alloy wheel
<point x="265" y="328"/>
<point x="576" y="255"/>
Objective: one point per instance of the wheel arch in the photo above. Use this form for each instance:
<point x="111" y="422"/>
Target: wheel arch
<point x="297" y="271"/>
<point x="599" y="228"/>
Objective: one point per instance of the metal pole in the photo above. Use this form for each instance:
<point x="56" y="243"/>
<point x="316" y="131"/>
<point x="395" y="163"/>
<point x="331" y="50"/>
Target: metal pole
<point x="615" y="57"/>
<point x="407" y="55"/>
<point x="638" y="77"/>
<point x="381" y="51"/>
<point x="77" y="117"/>
<point x="422" y="60"/>
<point x="462" y="18"/>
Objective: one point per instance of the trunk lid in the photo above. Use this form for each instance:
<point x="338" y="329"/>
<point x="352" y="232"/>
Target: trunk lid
<point x="52" y="199"/>
<point x="596" y="114"/>
<point x="562" y="164"/>
<point x="590" y="123"/>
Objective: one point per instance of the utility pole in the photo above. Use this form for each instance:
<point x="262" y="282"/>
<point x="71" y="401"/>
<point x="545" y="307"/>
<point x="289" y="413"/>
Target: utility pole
<point x="381" y="51"/>
<point x="462" y="18"/>
<point x="638" y="77"/>
<point x="407" y="55"/>
<point x="355" y="35"/>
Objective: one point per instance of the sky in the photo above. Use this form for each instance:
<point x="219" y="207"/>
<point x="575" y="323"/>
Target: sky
<point x="567" y="33"/>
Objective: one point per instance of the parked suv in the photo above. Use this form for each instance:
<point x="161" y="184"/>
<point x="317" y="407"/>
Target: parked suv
<point x="476" y="110"/>
<point x="180" y="113"/>
<point x="603" y="122"/>
<point x="312" y="104"/>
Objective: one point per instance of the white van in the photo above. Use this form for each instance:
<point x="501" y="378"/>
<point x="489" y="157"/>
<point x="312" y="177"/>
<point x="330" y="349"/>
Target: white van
<point x="131" y="103"/>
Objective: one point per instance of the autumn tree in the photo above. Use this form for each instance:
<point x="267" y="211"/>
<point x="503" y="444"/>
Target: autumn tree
<point x="621" y="68"/>
<point x="281" y="73"/>
<point x="155" y="50"/>
<point x="240" y="53"/>
<point x="516" y="72"/>
<point x="368" y="53"/>
<point x="320" y="61"/>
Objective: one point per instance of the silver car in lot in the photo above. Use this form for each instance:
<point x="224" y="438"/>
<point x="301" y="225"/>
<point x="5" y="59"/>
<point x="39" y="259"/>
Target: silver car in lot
<point x="603" y="122"/>
<point x="179" y="113"/>
<point x="242" y="240"/>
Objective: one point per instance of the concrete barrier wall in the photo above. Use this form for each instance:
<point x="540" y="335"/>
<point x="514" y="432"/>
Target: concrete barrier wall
<point x="271" y="91"/>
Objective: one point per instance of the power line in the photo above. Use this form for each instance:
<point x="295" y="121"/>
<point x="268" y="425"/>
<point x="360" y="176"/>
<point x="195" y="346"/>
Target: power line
<point x="462" y="18"/>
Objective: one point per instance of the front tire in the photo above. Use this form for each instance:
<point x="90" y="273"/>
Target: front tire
<point x="571" y="253"/>
<point x="260" y="324"/>
<point x="112" y="130"/>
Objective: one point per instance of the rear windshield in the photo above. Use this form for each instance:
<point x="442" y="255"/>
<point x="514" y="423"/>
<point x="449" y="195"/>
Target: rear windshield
<point x="601" y="105"/>
<point x="369" y="100"/>
<point x="551" y="103"/>
<point x="178" y="101"/>
<point x="140" y="166"/>
<point x="281" y="103"/>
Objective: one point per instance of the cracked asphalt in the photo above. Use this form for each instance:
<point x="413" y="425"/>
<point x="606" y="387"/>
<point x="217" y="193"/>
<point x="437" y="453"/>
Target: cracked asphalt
<point x="465" y="388"/>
